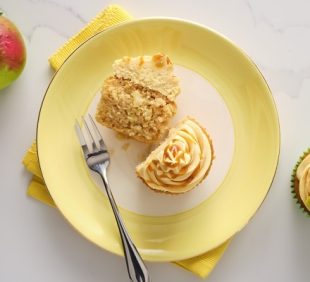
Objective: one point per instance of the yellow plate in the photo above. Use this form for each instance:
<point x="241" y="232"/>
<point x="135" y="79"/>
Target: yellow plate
<point x="256" y="139"/>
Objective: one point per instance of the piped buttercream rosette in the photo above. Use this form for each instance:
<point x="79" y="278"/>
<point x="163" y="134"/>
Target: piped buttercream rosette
<point x="181" y="162"/>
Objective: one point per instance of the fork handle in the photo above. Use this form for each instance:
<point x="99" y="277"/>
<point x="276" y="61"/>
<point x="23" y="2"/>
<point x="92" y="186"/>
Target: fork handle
<point x="136" y="268"/>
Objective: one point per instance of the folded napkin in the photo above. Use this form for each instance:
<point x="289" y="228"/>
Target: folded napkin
<point x="201" y="265"/>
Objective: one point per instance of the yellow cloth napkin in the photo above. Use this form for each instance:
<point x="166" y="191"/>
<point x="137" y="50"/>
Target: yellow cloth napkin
<point x="201" y="265"/>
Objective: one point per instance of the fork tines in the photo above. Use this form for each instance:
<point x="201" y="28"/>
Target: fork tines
<point x="89" y="135"/>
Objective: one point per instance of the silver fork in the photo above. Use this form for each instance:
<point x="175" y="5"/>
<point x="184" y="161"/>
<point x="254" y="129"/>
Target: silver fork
<point x="98" y="159"/>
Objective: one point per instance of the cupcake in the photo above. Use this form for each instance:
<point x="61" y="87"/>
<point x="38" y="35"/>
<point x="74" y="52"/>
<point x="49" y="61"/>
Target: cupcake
<point x="181" y="161"/>
<point x="301" y="182"/>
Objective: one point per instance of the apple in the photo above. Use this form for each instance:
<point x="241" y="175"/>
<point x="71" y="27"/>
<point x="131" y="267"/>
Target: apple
<point x="12" y="52"/>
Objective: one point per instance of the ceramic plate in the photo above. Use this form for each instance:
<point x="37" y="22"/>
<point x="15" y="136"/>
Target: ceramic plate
<point x="221" y="87"/>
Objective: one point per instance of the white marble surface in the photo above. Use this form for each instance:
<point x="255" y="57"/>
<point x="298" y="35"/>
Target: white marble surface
<point x="36" y="243"/>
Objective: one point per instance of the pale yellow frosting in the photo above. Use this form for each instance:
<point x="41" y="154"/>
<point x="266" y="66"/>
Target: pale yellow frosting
<point x="181" y="162"/>
<point x="154" y="72"/>
<point x="303" y="175"/>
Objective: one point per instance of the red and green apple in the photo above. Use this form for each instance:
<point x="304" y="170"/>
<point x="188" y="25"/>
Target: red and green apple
<point x="12" y="52"/>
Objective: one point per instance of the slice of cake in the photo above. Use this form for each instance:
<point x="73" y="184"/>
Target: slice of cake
<point x="139" y="99"/>
<point x="181" y="162"/>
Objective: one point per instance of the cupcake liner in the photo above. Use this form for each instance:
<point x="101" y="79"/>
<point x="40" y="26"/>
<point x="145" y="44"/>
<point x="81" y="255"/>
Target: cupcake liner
<point x="295" y="182"/>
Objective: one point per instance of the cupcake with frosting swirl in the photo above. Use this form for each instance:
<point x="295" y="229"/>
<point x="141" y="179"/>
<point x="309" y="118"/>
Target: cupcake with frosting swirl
<point x="301" y="182"/>
<point x="181" y="162"/>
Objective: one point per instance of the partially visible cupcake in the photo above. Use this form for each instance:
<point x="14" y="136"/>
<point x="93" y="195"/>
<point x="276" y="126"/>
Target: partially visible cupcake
<point x="301" y="181"/>
<point x="181" y="162"/>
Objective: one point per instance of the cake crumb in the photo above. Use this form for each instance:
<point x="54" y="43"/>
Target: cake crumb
<point x="125" y="146"/>
<point x="111" y="152"/>
<point x="120" y="136"/>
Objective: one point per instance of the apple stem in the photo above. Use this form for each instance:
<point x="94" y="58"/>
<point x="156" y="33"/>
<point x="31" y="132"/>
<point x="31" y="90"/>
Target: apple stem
<point x="1" y="13"/>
